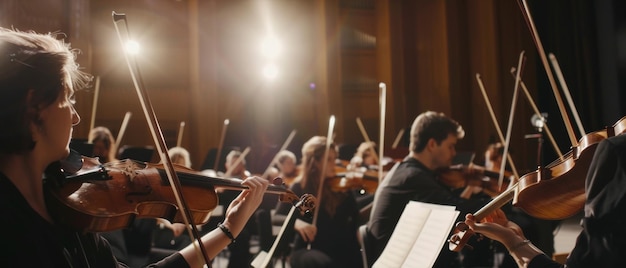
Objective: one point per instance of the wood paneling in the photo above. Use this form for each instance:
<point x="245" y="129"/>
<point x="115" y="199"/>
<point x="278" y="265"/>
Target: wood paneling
<point x="201" y="65"/>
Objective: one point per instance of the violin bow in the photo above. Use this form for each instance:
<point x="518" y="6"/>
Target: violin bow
<point x="95" y="103"/>
<point x="397" y="140"/>
<point x="120" y="134"/>
<point x="159" y="140"/>
<point x="505" y="154"/>
<point x="381" y="144"/>
<point x="329" y="141"/>
<point x="568" y="97"/>
<point x="275" y="159"/>
<point x="181" y="129"/>
<point x="366" y="138"/>
<point x="221" y="144"/>
<point x="542" y="54"/>
<point x="509" y="159"/>
<point x="238" y="161"/>
<point x="538" y="113"/>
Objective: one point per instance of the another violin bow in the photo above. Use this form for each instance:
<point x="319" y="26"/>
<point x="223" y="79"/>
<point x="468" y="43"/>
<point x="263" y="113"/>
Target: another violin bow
<point x="219" y="147"/>
<point x="397" y="140"/>
<point x="120" y="134"/>
<point x="366" y="138"/>
<point x="495" y="123"/>
<point x="159" y="140"/>
<point x="538" y="113"/>
<point x="381" y="143"/>
<point x="458" y="240"/>
<point x="95" y="103"/>
<point x="181" y="129"/>
<point x="237" y="162"/>
<point x="329" y="141"/>
<point x="568" y="97"/>
<point x="505" y="154"/>
<point x="275" y="159"/>
<point x="531" y="25"/>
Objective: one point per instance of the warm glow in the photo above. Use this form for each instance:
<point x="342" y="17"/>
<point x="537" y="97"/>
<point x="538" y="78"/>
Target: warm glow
<point x="132" y="47"/>
<point x="270" y="71"/>
<point x="271" y="48"/>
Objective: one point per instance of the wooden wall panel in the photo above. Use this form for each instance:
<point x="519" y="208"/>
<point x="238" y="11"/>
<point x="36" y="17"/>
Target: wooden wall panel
<point x="203" y="67"/>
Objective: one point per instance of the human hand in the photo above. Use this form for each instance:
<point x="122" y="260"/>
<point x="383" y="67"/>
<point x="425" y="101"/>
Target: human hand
<point x="497" y="227"/>
<point x="242" y="208"/>
<point x="177" y="228"/>
<point x="306" y="230"/>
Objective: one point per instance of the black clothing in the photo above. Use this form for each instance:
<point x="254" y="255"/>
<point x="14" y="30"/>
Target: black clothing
<point x="336" y="235"/>
<point x="412" y="181"/>
<point x="31" y="241"/>
<point x="601" y="243"/>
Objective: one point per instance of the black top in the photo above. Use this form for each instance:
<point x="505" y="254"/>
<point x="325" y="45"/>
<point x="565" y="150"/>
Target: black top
<point x="602" y="242"/>
<point x="336" y="235"/>
<point x="31" y="241"/>
<point x="412" y="181"/>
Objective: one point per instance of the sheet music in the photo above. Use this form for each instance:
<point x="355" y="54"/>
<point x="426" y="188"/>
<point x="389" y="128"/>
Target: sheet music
<point x="420" y="228"/>
<point x="430" y="241"/>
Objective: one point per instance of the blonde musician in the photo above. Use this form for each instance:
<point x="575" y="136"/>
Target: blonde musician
<point x="103" y="144"/>
<point x="286" y="167"/>
<point x="333" y="237"/>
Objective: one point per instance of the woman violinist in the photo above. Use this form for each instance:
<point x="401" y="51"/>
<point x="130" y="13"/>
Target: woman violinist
<point x="38" y="77"/>
<point x="333" y="237"/>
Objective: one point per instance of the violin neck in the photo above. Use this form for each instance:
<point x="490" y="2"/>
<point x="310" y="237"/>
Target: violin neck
<point x="491" y="174"/>
<point x="224" y="183"/>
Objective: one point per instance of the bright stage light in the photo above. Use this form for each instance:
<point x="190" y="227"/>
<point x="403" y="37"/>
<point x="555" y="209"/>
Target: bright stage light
<point x="132" y="47"/>
<point x="270" y="71"/>
<point x="271" y="48"/>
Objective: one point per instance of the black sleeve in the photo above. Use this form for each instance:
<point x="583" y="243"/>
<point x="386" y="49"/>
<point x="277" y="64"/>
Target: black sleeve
<point x="174" y="260"/>
<point x="542" y="261"/>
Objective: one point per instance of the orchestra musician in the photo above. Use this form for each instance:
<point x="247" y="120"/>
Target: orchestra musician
<point x="169" y="235"/>
<point x="239" y="252"/>
<point x="600" y="243"/>
<point x="364" y="155"/>
<point x="286" y="167"/>
<point x="38" y="77"/>
<point x="103" y="144"/>
<point x="432" y="146"/>
<point x="132" y="245"/>
<point x="333" y="237"/>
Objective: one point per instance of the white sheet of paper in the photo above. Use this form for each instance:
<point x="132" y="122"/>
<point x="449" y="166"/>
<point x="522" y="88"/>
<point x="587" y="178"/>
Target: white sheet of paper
<point x="410" y="229"/>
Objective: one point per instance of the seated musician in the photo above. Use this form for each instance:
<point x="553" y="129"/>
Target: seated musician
<point x="540" y="231"/>
<point x="239" y="252"/>
<point x="287" y="169"/>
<point x="172" y="235"/>
<point x="600" y="244"/>
<point x="364" y="156"/>
<point x="38" y="77"/>
<point x="432" y="146"/>
<point x="103" y="144"/>
<point x="333" y="236"/>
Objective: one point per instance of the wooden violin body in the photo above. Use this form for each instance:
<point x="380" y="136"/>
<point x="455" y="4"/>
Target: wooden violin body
<point x="354" y="179"/>
<point x="106" y="197"/>
<point x="459" y="176"/>
<point x="558" y="191"/>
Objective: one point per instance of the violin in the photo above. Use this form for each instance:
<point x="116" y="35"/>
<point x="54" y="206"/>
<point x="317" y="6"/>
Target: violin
<point x="87" y="195"/>
<point x="554" y="192"/>
<point x="459" y="176"/>
<point x="353" y="179"/>
<point x="564" y="180"/>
